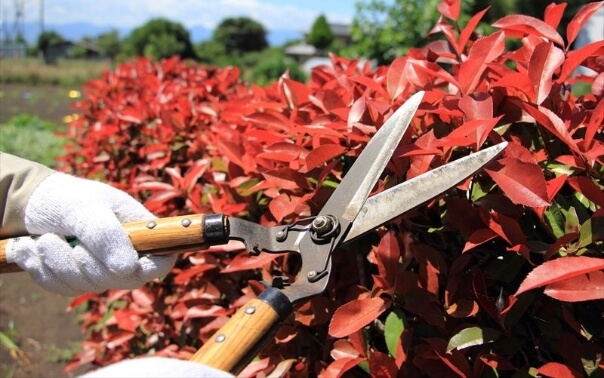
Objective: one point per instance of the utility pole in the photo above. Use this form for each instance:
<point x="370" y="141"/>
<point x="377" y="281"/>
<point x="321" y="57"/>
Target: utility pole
<point x="41" y="16"/>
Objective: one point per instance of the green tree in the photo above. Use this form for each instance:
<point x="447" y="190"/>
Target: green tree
<point x="159" y="38"/>
<point x="320" y="34"/>
<point x="109" y="43"/>
<point x="381" y="31"/>
<point x="46" y="40"/>
<point x="240" y="35"/>
<point x="209" y="51"/>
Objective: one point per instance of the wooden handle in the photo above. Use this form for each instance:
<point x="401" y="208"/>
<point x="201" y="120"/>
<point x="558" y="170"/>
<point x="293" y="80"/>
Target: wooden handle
<point x="235" y="344"/>
<point x="162" y="236"/>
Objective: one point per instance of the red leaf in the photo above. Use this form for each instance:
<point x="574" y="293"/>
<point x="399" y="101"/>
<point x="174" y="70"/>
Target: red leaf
<point x="484" y="51"/>
<point x="558" y="270"/>
<point x="521" y="182"/>
<point x="554" y="185"/>
<point x="506" y="227"/>
<point x="553" y="14"/>
<point x="555" y="370"/>
<point x="119" y="338"/>
<point x="296" y="93"/>
<point x="467" y="31"/>
<point x="576" y="24"/>
<point x="576" y="57"/>
<point x="472" y="133"/>
<point x="585" y="287"/>
<point x="546" y="59"/>
<point x="595" y="122"/>
<point x="337" y="368"/>
<point x="387" y="256"/>
<point x="245" y="261"/>
<point x="381" y="365"/>
<point x="476" y="106"/>
<point x="323" y="154"/>
<point x="81" y="299"/>
<point x="130" y="114"/>
<point x="527" y="25"/>
<point x="450" y="9"/>
<point x="355" y="315"/>
<point x="183" y="277"/>
<point x="282" y="206"/>
<point x="126" y="320"/>
<point x="479" y="237"/>
<point x="552" y="122"/>
<point x="588" y="188"/>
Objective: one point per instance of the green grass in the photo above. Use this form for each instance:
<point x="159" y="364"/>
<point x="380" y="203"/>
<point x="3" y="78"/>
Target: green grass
<point x="65" y="72"/>
<point x="31" y="138"/>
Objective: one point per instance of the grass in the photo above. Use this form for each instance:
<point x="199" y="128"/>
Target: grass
<point x="66" y="72"/>
<point x="31" y="138"/>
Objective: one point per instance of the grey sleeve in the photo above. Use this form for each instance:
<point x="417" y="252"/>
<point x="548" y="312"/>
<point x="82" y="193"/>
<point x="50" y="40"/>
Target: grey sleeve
<point x="18" y="178"/>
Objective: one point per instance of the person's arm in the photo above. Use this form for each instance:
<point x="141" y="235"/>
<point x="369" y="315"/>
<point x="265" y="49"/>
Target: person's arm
<point x="53" y="205"/>
<point x="18" y="179"/>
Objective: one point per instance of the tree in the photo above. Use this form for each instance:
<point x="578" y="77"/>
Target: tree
<point x="159" y="38"/>
<point x="383" y="32"/>
<point x="46" y="39"/>
<point x="240" y="35"/>
<point x="320" y="34"/>
<point x="109" y="44"/>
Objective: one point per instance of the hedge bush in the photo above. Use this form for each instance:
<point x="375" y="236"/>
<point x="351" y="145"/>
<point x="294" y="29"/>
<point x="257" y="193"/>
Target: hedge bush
<point x="501" y="276"/>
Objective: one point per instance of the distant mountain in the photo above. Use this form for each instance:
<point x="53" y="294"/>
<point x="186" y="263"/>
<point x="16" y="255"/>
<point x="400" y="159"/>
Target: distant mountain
<point x="77" y="31"/>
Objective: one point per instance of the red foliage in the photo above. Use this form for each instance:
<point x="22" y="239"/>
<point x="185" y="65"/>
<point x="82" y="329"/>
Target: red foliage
<point x="190" y="139"/>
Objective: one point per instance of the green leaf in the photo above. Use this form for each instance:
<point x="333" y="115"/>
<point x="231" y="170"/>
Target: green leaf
<point x="393" y="329"/>
<point x="555" y="220"/>
<point x="8" y="343"/>
<point x="572" y="221"/>
<point x="592" y="230"/>
<point x="473" y="336"/>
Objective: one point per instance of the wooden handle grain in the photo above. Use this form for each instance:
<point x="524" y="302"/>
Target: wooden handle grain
<point x="162" y="236"/>
<point x="235" y="344"/>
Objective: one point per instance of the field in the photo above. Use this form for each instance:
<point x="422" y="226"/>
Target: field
<point x="37" y="334"/>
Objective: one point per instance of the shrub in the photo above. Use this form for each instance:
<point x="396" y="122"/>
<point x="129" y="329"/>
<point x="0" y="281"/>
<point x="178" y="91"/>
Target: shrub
<point x="501" y="276"/>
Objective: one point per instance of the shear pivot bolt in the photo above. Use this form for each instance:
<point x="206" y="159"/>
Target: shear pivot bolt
<point x="280" y="236"/>
<point x="311" y="274"/>
<point x="321" y="225"/>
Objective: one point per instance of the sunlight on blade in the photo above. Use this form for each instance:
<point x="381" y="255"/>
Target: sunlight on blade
<point x="397" y="200"/>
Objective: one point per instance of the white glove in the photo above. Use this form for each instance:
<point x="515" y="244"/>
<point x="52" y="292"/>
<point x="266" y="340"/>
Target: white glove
<point x="104" y="258"/>
<point x="156" y="367"/>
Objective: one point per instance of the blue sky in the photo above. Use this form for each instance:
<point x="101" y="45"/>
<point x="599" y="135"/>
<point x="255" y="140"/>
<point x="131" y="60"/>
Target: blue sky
<point x="273" y="14"/>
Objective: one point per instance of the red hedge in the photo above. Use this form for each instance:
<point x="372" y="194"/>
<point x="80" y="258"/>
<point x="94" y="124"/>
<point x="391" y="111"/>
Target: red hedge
<point x="436" y="292"/>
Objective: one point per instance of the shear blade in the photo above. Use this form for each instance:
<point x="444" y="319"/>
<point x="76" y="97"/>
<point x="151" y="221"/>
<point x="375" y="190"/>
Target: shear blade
<point x="349" y="197"/>
<point x="403" y="197"/>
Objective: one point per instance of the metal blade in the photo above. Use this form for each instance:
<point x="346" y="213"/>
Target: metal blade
<point x="397" y="200"/>
<point x="349" y="197"/>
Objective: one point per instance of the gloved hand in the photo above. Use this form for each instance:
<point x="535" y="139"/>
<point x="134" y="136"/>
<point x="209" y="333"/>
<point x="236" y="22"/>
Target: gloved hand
<point x="156" y="367"/>
<point x="104" y="258"/>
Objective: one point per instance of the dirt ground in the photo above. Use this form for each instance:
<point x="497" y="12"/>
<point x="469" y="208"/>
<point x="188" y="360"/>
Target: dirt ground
<point x="36" y="320"/>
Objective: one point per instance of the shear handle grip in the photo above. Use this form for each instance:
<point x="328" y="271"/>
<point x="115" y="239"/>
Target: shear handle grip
<point x="162" y="236"/>
<point x="234" y="345"/>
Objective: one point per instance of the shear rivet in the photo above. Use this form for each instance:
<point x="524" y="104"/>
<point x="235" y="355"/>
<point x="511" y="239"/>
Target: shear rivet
<point x="220" y="338"/>
<point x="186" y="222"/>
<point x="311" y="274"/>
<point x="250" y="310"/>
<point x="151" y="225"/>
<point x="280" y="236"/>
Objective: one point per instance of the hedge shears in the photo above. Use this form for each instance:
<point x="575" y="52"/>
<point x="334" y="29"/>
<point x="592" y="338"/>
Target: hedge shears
<point x="349" y="213"/>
